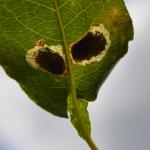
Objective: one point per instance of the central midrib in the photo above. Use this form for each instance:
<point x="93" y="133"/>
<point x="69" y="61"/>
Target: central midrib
<point x="76" y="103"/>
<point x="70" y="68"/>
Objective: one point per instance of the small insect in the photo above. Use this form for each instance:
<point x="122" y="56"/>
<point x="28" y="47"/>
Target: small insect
<point x="40" y="42"/>
<point x="47" y="58"/>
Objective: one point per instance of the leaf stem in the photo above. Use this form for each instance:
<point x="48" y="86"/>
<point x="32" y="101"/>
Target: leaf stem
<point x="73" y="84"/>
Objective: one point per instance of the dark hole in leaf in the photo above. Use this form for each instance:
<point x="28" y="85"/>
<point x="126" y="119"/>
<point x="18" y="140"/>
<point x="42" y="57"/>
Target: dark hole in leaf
<point x="51" y="61"/>
<point x="90" y="45"/>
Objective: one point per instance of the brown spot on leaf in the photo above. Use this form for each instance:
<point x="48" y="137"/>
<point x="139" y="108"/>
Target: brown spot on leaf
<point x="51" y="61"/>
<point x="92" y="44"/>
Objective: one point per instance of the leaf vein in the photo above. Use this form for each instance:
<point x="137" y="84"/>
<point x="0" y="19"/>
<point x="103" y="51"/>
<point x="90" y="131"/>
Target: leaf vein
<point x="41" y="5"/>
<point x="25" y="26"/>
<point x="78" y="14"/>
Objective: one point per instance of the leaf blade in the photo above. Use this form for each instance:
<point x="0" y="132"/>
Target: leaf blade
<point x="23" y="22"/>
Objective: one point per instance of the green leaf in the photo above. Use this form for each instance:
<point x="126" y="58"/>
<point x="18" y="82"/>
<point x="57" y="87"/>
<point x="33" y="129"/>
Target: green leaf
<point x="22" y="22"/>
<point x="82" y="104"/>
